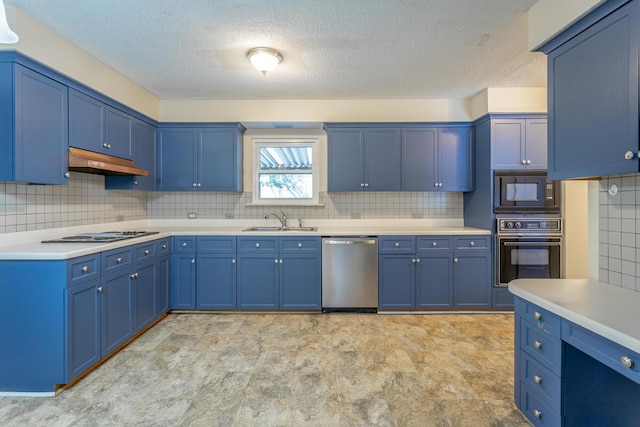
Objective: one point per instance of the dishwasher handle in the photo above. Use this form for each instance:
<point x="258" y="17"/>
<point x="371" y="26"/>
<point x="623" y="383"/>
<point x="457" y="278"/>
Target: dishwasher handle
<point x="351" y="242"/>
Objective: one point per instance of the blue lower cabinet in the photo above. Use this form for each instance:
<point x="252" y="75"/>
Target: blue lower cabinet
<point x="300" y="282"/>
<point x="396" y="277"/>
<point x="434" y="281"/>
<point x="164" y="281"/>
<point x="144" y="289"/>
<point x="183" y="281"/>
<point x="83" y="328"/>
<point x="501" y="298"/>
<point x="216" y="281"/>
<point x="116" y="311"/>
<point x="258" y="281"/>
<point x="471" y="280"/>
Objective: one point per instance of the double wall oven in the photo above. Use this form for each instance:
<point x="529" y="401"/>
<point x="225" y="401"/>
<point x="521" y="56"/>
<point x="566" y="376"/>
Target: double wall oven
<point x="529" y="227"/>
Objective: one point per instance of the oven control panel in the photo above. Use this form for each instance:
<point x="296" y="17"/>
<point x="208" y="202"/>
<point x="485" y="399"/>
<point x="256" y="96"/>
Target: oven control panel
<point x="524" y="225"/>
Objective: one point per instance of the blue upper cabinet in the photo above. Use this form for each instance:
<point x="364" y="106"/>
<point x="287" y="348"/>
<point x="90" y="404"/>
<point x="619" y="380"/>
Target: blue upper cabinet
<point x="437" y="159"/>
<point x="98" y="127"/>
<point x="364" y="159"/>
<point x="200" y="158"/>
<point x="33" y="126"/>
<point x="593" y="94"/>
<point x="143" y="144"/>
<point x="519" y="143"/>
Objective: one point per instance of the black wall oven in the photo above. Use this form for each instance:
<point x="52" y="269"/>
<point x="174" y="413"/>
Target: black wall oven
<point x="528" y="249"/>
<point x="525" y="192"/>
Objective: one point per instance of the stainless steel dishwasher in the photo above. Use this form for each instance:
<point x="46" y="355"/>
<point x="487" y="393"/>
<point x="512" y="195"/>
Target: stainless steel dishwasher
<point x="350" y="274"/>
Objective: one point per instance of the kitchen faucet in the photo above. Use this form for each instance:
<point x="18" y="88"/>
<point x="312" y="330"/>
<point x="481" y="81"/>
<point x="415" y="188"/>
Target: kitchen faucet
<point x="283" y="219"/>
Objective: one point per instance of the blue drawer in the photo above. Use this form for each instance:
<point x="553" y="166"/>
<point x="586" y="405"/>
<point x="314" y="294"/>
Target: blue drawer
<point x="83" y="269"/>
<point x="544" y="347"/>
<point x="544" y="319"/>
<point x="116" y="260"/>
<point x="216" y="244"/>
<point x="164" y="246"/>
<point x="396" y="244"/>
<point x="184" y="244"/>
<point x="473" y="243"/>
<point x="540" y="380"/>
<point x="536" y="410"/>
<point x="255" y="244"/>
<point x="433" y="243"/>
<point x="300" y="244"/>
<point x="144" y="251"/>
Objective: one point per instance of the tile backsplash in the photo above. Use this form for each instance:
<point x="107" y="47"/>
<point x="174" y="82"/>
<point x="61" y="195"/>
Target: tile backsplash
<point x="84" y="201"/>
<point x="619" y="231"/>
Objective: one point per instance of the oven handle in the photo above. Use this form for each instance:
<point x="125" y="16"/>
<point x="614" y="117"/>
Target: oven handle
<point x="531" y="243"/>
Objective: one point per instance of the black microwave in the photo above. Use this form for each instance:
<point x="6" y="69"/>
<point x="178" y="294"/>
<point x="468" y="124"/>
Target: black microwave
<point x="525" y="192"/>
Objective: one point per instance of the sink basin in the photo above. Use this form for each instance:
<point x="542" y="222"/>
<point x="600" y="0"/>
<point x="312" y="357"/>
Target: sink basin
<point x="281" y="229"/>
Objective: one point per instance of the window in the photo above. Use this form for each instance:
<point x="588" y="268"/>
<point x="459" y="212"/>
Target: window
<point x="285" y="172"/>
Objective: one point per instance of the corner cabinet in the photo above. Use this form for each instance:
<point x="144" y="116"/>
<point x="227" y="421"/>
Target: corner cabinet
<point x="200" y="157"/>
<point x="593" y="94"/>
<point x="33" y="126"/>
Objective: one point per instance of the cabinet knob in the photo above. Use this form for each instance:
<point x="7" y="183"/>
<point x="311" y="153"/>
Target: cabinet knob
<point x="184" y="245"/>
<point x="524" y="162"/>
<point x="537" y="344"/>
<point x="434" y="244"/>
<point x="299" y="245"/>
<point x="257" y="245"/>
<point x="528" y="162"/>
<point x="366" y="184"/>
<point x="537" y="315"/>
<point x="275" y="260"/>
<point x="362" y="185"/>
<point x="281" y="261"/>
<point x="537" y="379"/>
<point x="199" y="184"/>
<point x="118" y="260"/>
<point x="439" y="184"/>
<point x="193" y="261"/>
<point x="135" y="182"/>
<point x="164" y="246"/>
<point x="626" y="361"/>
<point x="397" y="244"/>
<point x="413" y="260"/>
<point x="134" y="276"/>
<point x="629" y="155"/>
<point x="146" y="252"/>
<point x="418" y="260"/>
<point x="472" y="244"/>
<point x="194" y="184"/>
<point x="85" y="269"/>
<point x="99" y="289"/>
<point x="67" y="174"/>
<point x="456" y="260"/>
<point x="233" y="261"/>
<point x="537" y="413"/>
<point x="104" y="145"/>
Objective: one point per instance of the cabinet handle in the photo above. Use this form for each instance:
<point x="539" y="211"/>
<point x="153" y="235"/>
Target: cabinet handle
<point x="626" y="361"/>
<point x="146" y="252"/>
<point x="434" y="244"/>
<point x="99" y="289"/>
<point x="472" y="244"/>
<point x="456" y="260"/>
<point x="118" y="260"/>
<point x="299" y="245"/>
<point x="629" y="155"/>
<point x="67" y="174"/>
<point x="184" y="245"/>
<point x="537" y="344"/>
<point x="537" y="413"/>
<point x="537" y="315"/>
<point x="85" y="269"/>
<point x="233" y="261"/>
<point x="257" y="245"/>
<point x="537" y="379"/>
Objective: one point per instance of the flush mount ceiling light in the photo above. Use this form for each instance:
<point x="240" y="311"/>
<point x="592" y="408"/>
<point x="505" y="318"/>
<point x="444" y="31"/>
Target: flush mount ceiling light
<point x="264" y="59"/>
<point x="6" y="34"/>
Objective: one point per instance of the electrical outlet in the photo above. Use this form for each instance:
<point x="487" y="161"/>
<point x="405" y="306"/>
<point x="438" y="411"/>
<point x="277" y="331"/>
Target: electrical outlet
<point x="229" y="216"/>
<point x="120" y="218"/>
<point x="356" y="215"/>
<point x="417" y="215"/>
<point x="192" y="215"/>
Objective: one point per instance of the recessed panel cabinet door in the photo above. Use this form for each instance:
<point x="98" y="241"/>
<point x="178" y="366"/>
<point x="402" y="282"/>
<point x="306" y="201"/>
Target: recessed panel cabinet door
<point x="471" y="276"/>
<point x="382" y="160"/>
<point x="183" y="281"/>
<point x="219" y="160"/>
<point x="176" y="159"/>
<point x="455" y="152"/>
<point x="396" y="287"/>
<point x="83" y="333"/>
<point x="116" y="311"/>
<point x="86" y="122"/>
<point x="300" y="282"/>
<point x="434" y="281"/>
<point x="118" y="133"/>
<point x="345" y="168"/>
<point x="258" y="281"/>
<point x="144" y="287"/>
<point x="419" y="159"/>
<point x="216" y="282"/>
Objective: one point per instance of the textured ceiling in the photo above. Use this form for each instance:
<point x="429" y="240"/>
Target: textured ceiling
<point x="344" y="49"/>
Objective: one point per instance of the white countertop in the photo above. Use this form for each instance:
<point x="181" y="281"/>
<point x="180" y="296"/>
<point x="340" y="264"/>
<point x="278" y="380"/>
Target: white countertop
<point x="27" y="246"/>
<point x="610" y="311"/>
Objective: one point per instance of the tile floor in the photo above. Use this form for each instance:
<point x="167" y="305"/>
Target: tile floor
<point x="295" y="370"/>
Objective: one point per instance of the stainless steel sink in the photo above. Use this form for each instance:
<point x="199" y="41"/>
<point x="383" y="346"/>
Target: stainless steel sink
<point x="281" y="229"/>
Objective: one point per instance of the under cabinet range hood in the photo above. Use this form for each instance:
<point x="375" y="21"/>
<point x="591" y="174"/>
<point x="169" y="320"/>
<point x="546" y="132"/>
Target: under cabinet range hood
<point x="101" y="164"/>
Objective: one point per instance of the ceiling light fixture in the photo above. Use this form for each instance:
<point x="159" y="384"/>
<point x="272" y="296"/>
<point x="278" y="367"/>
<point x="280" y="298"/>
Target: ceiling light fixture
<point x="6" y="34"/>
<point x="264" y="59"/>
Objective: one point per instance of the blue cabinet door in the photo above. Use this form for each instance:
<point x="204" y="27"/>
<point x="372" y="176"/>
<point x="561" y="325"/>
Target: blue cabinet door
<point x="183" y="281"/>
<point x="257" y="281"/>
<point x="419" y="159"/>
<point x="300" y="282"/>
<point x="345" y="168"/>
<point x="593" y="99"/>
<point x="434" y="281"/>
<point x="40" y="131"/>
<point x="176" y="159"/>
<point x="536" y="143"/>
<point x="144" y="291"/>
<point x="471" y="280"/>
<point x="116" y="311"/>
<point x="397" y="277"/>
<point x="455" y="153"/>
<point x="83" y="331"/>
<point x="507" y="144"/>
<point x="143" y="146"/>
<point x="86" y="122"/>
<point x="118" y="132"/>
<point x="216" y="281"/>
<point x="219" y="160"/>
<point x="382" y="159"/>
<point x="164" y="279"/>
